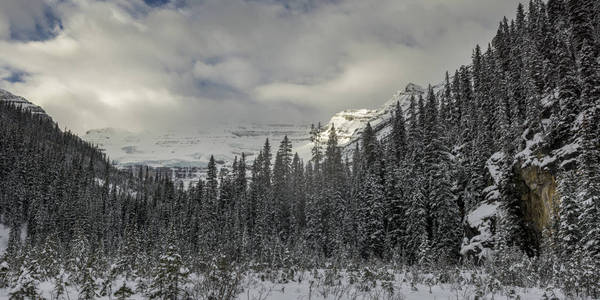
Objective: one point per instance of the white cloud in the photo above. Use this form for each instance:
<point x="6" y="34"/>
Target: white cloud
<point x="121" y="63"/>
<point x="234" y="72"/>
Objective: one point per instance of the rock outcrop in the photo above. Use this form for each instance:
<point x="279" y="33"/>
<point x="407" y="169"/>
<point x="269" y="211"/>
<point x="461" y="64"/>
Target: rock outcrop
<point x="538" y="195"/>
<point x="534" y="176"/>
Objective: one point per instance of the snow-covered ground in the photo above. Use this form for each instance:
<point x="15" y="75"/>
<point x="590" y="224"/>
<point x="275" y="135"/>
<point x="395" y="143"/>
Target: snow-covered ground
<point x="402" y="286"/>
<point x="338" y="285"/>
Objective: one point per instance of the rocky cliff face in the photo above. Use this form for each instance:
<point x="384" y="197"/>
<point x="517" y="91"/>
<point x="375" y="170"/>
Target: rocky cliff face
<point x="538" y="193"/>
<point x="534" y="175"/>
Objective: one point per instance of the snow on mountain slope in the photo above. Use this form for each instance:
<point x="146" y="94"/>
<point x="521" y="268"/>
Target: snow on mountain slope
<point x="349" y="124"/>
<point x="6" y="96"/>
<point x="188" y="153"/>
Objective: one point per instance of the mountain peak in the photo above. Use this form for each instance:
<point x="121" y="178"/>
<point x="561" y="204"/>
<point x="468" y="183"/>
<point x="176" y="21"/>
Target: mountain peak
<point x="412" y="88"/>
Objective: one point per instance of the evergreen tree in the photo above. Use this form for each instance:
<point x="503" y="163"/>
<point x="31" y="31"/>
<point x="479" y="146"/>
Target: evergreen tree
<point x="569" y="210"/>
<point x="27" y="281"/>
<point x="590" y="77"/>
<point x="298" y="189"/>
<point x="568" y="95"/>
<point x="589" y="189"/>
<point x="169" y="276"/>
<point x="282" y="188"/>
<point x="398" y="134"/>
<point x="581" y="21"/>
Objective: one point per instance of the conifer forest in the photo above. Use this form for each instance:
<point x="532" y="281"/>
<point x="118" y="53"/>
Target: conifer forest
<point x="486" y="185"/>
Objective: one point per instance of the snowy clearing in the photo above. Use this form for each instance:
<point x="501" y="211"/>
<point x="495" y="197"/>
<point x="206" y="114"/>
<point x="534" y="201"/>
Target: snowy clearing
<point x="329" y="284"/>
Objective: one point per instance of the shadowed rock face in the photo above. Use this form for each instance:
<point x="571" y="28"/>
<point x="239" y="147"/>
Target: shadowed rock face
<point x="536" y="186"/>
<point x="539" y="197"/>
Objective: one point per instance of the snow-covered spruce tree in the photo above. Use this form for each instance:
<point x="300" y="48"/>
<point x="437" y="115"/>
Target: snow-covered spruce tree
<point x="351" y="221"/>
<point x="210" y="205"/>
<point x="512" y="229"/>
<point x="488" y="95"/>
<point x="282" y="189"/>
<point x="556" y="13"/>
<point x="399" y="193"/>
<point x="396" y="152"/>
<point x="316" y="227"/>
<point x="298" y="198"/>
<point x="569" y="232"/>
<point x="240" y="206"/>
<point x="589" y="72"/>
<point x="416" y="220"/>
<point x="568" y="95"/>
<point x="60" y="281"/>
<point x="398" y="134"/>
<point x="225" y="213"/>
<point x="266" y="209"/>
<point x="79" y="266"/>
<point x="123" y="292"/>
<point x="372" y="235"/>
<point x="589" y="189"/>
<point x="443" y="219"/>
<point x="27" y="280"/>
<point x="126" y="263"/>
<point x="87" y="283"/>
<point x="252" y="205"/>
<point x="446" y="101"/>
<point x="516" y="76"/>
<point x="447" y="230"/>
<point x="466" y="100"/>
<point x="425" y="255"/>
<point x="580" y="19"/>
<point x="170" y="276"/>
<point x="50" y="257"/>
<point x="334" y="183"/>
<point x="589" y="192"/>
<point x="371" y="197"/>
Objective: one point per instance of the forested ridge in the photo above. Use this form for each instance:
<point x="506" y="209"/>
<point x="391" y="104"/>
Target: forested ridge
<point x="530" y="97"/>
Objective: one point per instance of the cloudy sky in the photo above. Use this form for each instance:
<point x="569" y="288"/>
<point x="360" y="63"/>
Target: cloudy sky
<point x="147" y="64"/>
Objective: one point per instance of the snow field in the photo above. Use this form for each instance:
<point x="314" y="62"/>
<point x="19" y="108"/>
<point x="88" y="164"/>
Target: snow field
<point x="331" y="284"/>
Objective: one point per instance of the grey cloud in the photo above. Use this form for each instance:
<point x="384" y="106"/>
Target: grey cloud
<point x="28" y="20"/>
<point x="123" y="63"/>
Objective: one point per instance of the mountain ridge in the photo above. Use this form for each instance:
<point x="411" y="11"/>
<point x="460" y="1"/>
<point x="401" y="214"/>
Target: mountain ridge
<point x="19" y="101"/>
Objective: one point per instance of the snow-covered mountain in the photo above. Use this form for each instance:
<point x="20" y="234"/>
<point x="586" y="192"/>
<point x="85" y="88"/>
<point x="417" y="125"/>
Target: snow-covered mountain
<point x="187" y="154"/>
<point x="191" y="149"/>
<point x="6" y="96"/>
<point x="349" y="124"/>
